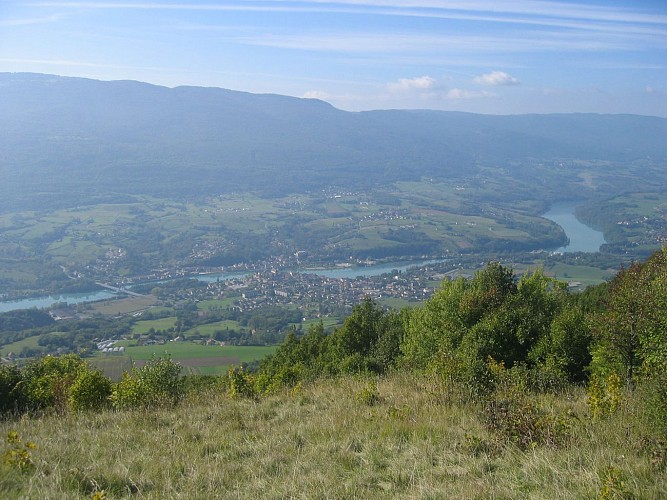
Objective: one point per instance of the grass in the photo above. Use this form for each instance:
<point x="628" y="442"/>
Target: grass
<point x="209" y="329"/>
<point x="113" y="365"/>
<point x="328" y="323"/>
<point x="187" y="350"/>
<point x="583" y="274"/>
<point x="157" y="324"/>
<point x="124" y="306"/>
<point x="322" y="441"/>
<point x="196" y="359"/>
<point x="19" y="345"/>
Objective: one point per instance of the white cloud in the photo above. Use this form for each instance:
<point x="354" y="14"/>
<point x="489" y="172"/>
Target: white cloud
<point x="457" y="94"/>
<point x="411" y="84"/>
<point x="317" y="94"/>
<point x="496" y="78"/>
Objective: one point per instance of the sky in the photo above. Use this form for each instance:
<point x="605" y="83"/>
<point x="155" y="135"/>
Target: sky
<point x="482" y="56"/>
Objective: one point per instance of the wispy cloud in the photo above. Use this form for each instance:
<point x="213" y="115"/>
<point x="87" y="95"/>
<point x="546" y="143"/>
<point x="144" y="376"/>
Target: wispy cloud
<point x="33" y="20"/>
<point x="538" y="8"/>
<point x="457" y="94"/>
<point x="496" y="78"/>
<point x="529" y="12"/>
<point x="80" y="64"/>
<point x="444" y="44"/>
<point x="411" y="84"/>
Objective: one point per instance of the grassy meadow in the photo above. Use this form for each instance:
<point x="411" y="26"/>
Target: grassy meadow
<point x="196" y="359"/>
<point x="410" y="438"/>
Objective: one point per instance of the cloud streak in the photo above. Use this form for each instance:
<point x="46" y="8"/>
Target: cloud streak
<point x="420" y="83"/>
<point x="529" y="12"/>
<point x="496" y="78"/>
<point x="29" y="21"/>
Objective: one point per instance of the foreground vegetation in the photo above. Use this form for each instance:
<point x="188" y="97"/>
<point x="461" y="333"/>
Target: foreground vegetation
<point x="331" y="440"/>
<point x="497" y="386"/>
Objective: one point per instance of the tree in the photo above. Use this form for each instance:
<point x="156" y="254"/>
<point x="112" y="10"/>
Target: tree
<point x="628" y="317"/>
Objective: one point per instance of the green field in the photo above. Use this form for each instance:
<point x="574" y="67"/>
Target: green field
<point x="584" y="274"/>
<point x="209" y="329"/>
<point x="17" y="347"/>
<point x="124" y="306"/>
<point x="188" y="350"/>
<point x="113" y="365"/>
<point x="195" y="358"/>
<point x="156" y="324"/>
<point x="328" y="323"/>
<point x="201" y="359"/>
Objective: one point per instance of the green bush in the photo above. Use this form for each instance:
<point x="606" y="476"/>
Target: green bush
<point x="18" y="454"/>
<point x="157" y="383"/>
<point x="90" y="391"/>
<point x="604" y="395"/>
<point x="130" y="392"/>
<point x="47" y="381"/>
<point x="525" y="425"/>
<point x="12" y="397"/>
<point x="241" y="384"/>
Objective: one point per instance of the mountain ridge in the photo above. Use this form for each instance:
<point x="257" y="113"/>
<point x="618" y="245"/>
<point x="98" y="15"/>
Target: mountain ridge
<point x="61" y="134"/>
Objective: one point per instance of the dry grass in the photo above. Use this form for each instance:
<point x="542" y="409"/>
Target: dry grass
<point x="321" y="441"/>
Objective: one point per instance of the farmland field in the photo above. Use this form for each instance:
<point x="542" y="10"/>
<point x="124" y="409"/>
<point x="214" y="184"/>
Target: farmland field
<point x="201" y="358"/>
<point x="124" y="306"/>
<point x="156" y="324"/>
<point x="112" y="365"/>
<point x="195" y="358"/>
<point x="209" y="329"/>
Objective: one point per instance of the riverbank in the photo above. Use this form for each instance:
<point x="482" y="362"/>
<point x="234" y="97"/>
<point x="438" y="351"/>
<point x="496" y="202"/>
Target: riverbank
<point x="582" y="238"/>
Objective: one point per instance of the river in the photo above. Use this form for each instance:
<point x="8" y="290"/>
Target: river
<point x="335" y="272"/>
<point x="47" y="301"/>
<point x="583" y="238"/>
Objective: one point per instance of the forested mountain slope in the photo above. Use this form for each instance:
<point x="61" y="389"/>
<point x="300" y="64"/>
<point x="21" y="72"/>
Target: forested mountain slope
<point x="69" y="140"/>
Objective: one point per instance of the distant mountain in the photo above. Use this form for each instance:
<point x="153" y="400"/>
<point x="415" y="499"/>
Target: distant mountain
<point x="64" y="141"/>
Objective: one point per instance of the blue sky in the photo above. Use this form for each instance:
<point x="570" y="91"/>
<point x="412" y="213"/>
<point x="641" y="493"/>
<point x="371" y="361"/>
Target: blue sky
<point x="485" y="56"/>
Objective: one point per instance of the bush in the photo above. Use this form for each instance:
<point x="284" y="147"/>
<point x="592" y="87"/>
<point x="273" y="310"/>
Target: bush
<point x="604" y="395"/>
<point x="18" y="454"/>
<point x="241" y="384"/>
<point x="158" y="383"/>
<point x="12" y="397"/>
<point x="90" y="391"/>
<point x="521" y="423"/>
<point x="47" y="381"/>
<point x="369" y="395"/>
<point x="128" y="393"/>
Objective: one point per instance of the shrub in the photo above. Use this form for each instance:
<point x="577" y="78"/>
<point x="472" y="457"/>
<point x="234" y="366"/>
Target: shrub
<point x="604" y="395"/>
<point x="128" y="393"/>
<point x="241" y="384"/>
<point x="157" y="383"/>
<point x="522" y="423"/>
<point x="369" y="395"/>
<point x="12" y="397"/>
<point x="47" y="381"/>
<point x="18" y="454"/>
<point x="90" y="391"/>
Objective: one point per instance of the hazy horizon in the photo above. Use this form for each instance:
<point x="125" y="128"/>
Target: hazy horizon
<point x="511" y="58"/>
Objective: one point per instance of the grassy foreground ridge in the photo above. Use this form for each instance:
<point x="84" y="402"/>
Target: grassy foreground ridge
<point x="356" y="437"/>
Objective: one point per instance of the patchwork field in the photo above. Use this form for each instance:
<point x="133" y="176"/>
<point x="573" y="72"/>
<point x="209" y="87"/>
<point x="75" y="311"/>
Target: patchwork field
<point x="198" y="359"/>
<point x="124" y="306"/>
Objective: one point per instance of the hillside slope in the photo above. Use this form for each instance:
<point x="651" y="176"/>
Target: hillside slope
<point x="69" y="140"/>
